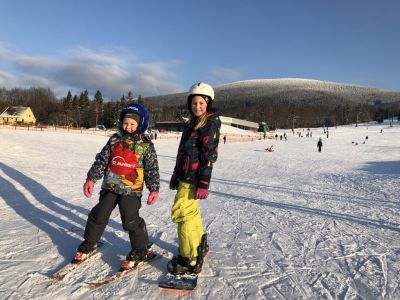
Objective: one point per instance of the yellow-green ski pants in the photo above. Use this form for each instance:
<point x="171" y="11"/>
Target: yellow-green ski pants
<point x="185" y="212"/>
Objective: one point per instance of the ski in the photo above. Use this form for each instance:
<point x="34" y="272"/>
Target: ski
<point x="60" y="274"/>
<point x="121" y="273"/>
<point x="179" y="282"/>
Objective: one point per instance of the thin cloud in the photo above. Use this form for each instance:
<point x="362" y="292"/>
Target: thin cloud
<point x="79" y="69"/>
<point x="223" y="75"/>
<point x="36" y="64"/>
<point x="39" y="81"/>
<point x="5" y="51"/>
<point x="6" y="79"/>
<point x="105" y="56"/>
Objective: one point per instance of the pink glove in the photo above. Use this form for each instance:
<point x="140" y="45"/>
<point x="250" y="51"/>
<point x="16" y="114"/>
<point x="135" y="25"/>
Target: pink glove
<point x="201" y="193"/>
<point x="88" y="188"/>
<point x="153" y="197"/>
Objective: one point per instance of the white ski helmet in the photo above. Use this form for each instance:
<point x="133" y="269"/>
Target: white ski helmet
<point x="203" y="89"/>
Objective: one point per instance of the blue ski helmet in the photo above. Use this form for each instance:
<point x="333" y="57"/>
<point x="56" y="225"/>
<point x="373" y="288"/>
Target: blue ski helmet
<point x="134" y="108"/>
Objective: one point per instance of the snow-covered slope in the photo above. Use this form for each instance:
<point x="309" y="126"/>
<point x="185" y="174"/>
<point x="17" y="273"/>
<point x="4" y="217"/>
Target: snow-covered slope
<point x="291" y="224"/>
<point x="286" y="90"/>
<point x="290" y="83"/>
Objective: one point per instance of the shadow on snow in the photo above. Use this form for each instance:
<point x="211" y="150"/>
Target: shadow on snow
<point x="62" y="218"/>
<point x="275" y="189"/>
<point x="314" y="211"/>
<point x="382" y="167"/>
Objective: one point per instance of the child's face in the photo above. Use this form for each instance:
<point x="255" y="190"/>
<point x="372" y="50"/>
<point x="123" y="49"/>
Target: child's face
<point x="199" y="106"/>
<point x="129" y="125"/>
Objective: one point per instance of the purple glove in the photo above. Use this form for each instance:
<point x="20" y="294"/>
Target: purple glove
<point x="88" y="188"/>
<point x="153" y="197"/>
<point x="201" y="193"/>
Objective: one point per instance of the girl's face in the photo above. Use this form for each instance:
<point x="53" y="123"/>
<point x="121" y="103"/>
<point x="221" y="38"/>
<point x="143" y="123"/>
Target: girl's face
<point x="129" y="125"/>
<point x="199" y="106"/>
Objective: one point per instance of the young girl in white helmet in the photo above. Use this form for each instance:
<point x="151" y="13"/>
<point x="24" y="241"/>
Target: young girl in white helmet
<point x="198" y="151"/>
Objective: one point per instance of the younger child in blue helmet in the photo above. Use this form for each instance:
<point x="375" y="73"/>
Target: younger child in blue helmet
<point x="127" y="161"/>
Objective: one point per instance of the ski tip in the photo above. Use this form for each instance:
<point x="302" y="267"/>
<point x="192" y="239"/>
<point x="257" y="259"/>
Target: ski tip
<point x="95" y="285"/>
<point x="58" y="276"/>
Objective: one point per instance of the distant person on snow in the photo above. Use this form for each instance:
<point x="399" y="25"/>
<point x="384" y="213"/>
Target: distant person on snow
<point x="270" y="149"/>
<point x="127" y="161"/>
<point x="319" y="145"/>
<point x="197" y="152"/>
<point x="224" y="139"/>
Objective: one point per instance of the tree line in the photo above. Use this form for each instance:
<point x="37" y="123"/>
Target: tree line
<point x="72" y="110"/>
<point x="280" y="109"/>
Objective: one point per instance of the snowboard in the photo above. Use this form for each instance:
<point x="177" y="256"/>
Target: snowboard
<point x="179" y="282"/>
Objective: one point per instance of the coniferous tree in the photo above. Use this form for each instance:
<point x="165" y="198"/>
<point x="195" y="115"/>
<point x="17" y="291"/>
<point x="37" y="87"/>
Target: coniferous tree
<point x="140" y="100"/>
<point x="129" y="98"/>
<point x="98" y="102"/>
<point x="123" y="100"/>
<point x="84" y="104"/>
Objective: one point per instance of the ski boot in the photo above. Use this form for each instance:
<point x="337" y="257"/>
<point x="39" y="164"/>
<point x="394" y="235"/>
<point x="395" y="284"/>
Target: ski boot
<point x="179" y="265"/>
<point x="84" y="250"/>
<point x="135" y="257"/>
<point x="203" y="247"/>
<point x="202" y="251"/>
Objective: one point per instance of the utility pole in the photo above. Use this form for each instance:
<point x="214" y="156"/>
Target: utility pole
<point x="294" y="117"/>
<point x="357" y="118"/>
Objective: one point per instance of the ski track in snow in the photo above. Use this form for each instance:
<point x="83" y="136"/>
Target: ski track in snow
<point x="291" y="224"/>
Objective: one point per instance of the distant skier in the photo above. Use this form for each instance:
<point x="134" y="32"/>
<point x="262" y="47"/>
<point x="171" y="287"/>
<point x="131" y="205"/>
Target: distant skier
<point x="197" y="152"/>
<point x="224" y="139"/>
<point x="127" y="161"/>
<point x="319" y="145"/>
<point x="270" y="149"/>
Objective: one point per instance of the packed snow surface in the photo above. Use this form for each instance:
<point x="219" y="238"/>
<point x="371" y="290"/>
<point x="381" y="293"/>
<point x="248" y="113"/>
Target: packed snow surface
<point x="288" y="224"/>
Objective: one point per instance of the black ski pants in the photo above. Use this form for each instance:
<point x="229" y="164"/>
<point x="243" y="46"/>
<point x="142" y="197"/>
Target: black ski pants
<point x="129" y="206"/>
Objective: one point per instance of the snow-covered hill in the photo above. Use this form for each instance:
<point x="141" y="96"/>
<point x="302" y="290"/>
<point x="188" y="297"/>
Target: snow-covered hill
<point x="292" y="83"/>
<point x="287" y="90"/>
<point x="291" y="224"/>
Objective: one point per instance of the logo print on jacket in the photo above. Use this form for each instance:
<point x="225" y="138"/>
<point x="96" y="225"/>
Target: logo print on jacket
<point x="123" y="161"/>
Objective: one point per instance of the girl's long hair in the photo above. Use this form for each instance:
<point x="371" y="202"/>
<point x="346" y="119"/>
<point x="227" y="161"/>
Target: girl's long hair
<point x="200" y="121"/>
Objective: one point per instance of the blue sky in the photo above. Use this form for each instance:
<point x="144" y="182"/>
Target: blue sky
<point x="159" y="47"/>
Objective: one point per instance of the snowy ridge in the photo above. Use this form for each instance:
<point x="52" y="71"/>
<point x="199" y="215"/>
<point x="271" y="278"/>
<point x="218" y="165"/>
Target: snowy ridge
<point x="288" y="224"/>
<point x="286" y="90"/>
<point x="310" y="84"/>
